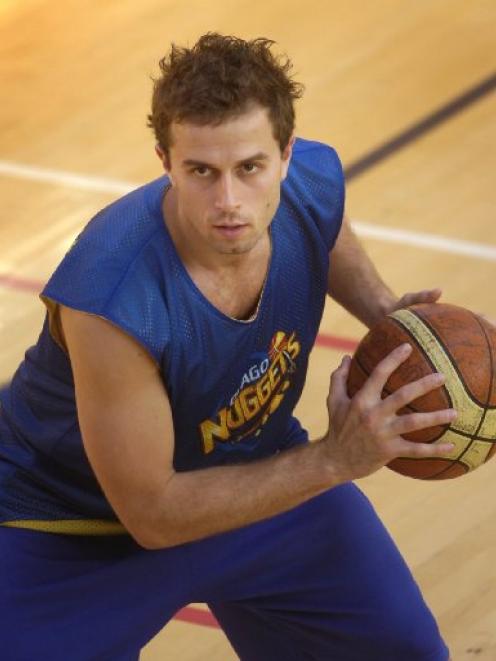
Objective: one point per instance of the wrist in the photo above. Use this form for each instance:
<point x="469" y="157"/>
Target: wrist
<point x="383" y="305"/>
<point x="330" y="469"/>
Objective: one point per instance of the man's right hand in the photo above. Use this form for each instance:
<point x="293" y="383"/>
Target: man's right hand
<point x="365" y="431"/>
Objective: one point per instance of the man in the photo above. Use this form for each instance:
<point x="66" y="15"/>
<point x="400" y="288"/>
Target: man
<point x="150" y="430"/>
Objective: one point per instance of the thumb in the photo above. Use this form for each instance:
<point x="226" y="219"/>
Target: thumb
<point x="337" y="390"/>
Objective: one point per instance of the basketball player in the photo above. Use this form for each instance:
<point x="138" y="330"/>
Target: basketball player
<point x="149" y="453"/>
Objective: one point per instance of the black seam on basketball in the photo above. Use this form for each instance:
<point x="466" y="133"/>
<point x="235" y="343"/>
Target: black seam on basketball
<point x="367" y="373"/>
<point x="434" y="368"/>
<point x="388" y="391"/>
<point x="440" y="435"/>
<point x="475" y="436"/>
<point x="409" y="407"/>
<point x="490" y="389"/>
<point x="452" y="358"/>
<point x="462" y="381"/>
<point x="416" y="460"/>
<point x="491" y="371"/>
<point x="360" y="365"/>
<point x="453" y="463"/>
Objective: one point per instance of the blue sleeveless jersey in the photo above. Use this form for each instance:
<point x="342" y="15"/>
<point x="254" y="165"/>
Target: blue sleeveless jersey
<point x="232" y="384"/>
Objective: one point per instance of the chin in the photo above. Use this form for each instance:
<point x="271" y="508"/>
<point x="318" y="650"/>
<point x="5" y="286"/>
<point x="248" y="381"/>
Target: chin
<point x="236" y="249"/>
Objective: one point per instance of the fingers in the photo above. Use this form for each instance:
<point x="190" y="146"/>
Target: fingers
<point x="411" y="391"/>
<point x="429" y="295"/>
<point x="424" y="296"/>
<point x="383" y="370"/>
<point x="405" y="424"/>
<point x="412" y="450"/>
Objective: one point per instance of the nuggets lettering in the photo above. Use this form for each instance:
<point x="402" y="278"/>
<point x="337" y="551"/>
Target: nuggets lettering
<point x="262" y="391"/>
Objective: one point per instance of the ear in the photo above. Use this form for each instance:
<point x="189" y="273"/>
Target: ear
<point x="163" y="156"/>
<point x="286" y="157"/>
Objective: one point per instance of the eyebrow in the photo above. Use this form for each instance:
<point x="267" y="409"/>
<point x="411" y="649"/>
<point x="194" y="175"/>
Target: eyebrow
<point x="259" y="156"/>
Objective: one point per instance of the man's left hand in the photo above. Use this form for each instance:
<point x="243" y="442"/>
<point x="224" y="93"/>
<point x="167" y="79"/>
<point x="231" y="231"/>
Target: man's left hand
<point x="414" y="298"/>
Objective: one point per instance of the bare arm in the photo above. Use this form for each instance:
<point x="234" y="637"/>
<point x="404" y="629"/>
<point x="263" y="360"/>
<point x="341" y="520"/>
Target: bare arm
<point x="127" y="430"/>
<point x="355" y="283"/>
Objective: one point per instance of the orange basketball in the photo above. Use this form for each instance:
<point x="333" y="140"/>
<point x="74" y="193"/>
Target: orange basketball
<point x="462" y="346"/>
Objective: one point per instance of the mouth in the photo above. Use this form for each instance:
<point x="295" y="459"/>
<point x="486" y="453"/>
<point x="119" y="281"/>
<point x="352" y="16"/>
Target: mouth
<point x="231" y="231"/>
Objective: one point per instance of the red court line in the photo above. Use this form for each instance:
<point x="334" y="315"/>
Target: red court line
<point x="20" y="284"/>
<point x="194" y="615"/>
<point x="336" y="342"/>
<point x="35" y="286"/>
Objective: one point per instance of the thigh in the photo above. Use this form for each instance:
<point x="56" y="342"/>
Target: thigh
<point x="325" y="580"/>
<point x="82" y="598"/>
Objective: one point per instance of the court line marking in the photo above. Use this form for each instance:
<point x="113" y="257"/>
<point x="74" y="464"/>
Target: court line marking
<point x="421" y="127"/>
<point x="64" y="178"/>
<point x="35" y="286"/>
<point x="425" y="240"/>
<point x="18" y="283"/>
<point x="363" y="229"/>
<point x="194" y="615"/>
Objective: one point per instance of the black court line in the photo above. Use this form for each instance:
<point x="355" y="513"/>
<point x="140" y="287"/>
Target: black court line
<point x="412" y="133"/>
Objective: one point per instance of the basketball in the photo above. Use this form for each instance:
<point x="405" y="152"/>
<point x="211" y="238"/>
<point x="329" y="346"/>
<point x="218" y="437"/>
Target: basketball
<point x="462" y="346"/>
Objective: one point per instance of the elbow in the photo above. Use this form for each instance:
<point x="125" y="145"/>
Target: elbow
<point x="150" y="523"/>
<point x="149" y="539"/>
<point x="153" y="537"/>
<point x="150" y="544"/>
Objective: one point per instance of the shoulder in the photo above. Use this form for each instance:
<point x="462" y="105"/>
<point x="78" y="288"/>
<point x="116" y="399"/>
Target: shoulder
<point x="315" y="187"/>
<point x="110" y="244"/>
<point x="115" y="267"/>
<point x="317" y="159"/>
<point x="121" y="229"/>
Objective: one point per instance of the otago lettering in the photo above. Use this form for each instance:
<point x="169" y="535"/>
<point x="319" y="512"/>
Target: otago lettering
<point x="254" y="401"/>
<point x="254" y="373"/>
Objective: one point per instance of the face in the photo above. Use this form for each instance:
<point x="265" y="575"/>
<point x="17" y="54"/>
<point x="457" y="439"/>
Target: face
<point x="226" y="181"/>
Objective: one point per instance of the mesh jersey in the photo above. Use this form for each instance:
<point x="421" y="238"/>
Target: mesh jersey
<point x="232" y="384"/>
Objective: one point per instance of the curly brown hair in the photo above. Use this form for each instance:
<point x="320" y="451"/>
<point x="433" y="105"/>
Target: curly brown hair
<point x="217" y="79"/>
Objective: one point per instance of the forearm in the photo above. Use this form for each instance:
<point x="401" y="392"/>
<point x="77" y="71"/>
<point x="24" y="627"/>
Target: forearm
<point x="355" y="283"/>
<point x="197" y="504"/>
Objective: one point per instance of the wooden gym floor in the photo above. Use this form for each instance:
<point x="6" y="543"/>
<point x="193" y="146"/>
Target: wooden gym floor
<point x="75" y="92"/>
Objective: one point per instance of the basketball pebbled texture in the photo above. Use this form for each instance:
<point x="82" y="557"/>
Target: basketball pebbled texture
<point x="448" y="339"/>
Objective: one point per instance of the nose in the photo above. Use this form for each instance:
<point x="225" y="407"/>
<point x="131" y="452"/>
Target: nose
<point x="226" y="196"/>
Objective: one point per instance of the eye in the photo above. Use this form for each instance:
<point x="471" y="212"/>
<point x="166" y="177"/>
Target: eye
<point x="249" y="168"/>
<point x="201" y="171"/>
